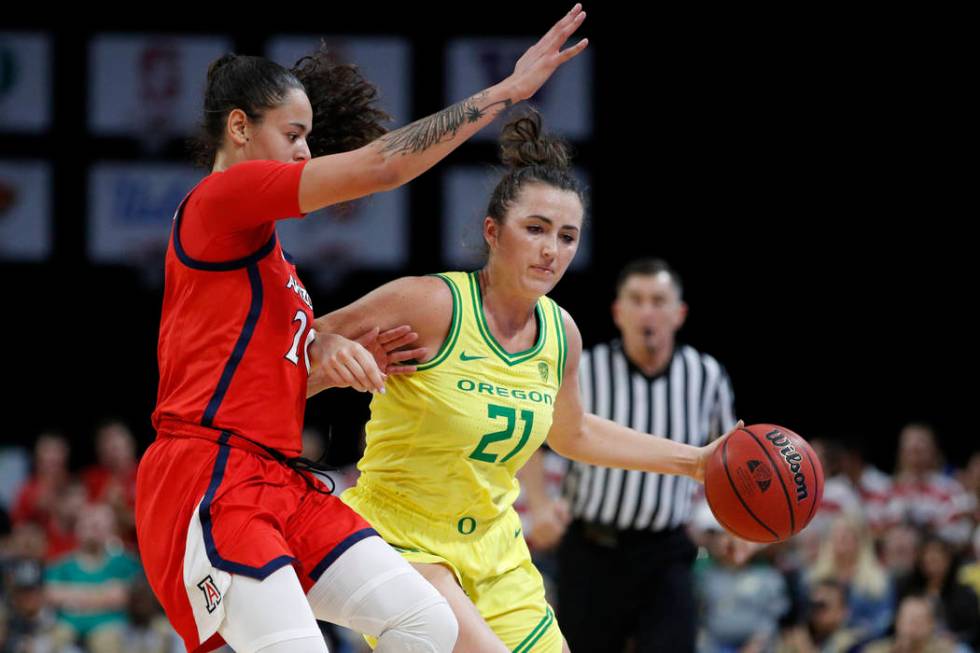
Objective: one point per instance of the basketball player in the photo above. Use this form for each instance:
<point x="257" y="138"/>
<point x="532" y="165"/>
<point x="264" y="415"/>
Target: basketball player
<point x="443" y="445"/>
<point x="239" y="542"/>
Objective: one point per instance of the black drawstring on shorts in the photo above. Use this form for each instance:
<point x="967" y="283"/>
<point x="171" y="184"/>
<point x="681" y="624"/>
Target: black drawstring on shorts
<point x="299" y="464"/>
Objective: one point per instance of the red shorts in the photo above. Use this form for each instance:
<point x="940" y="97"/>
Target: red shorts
<point x="207" y="509"/>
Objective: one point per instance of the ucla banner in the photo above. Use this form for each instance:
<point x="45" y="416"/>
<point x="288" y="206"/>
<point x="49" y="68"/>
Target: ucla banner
<point x="131" y="207"/>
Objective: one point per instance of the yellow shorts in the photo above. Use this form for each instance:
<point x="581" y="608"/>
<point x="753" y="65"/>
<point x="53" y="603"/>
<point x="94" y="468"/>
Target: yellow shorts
<point x="490" y="560"/>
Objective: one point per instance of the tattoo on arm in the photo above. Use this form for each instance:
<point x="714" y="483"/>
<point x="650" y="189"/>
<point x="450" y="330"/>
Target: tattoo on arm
<point x="423" y="134"/>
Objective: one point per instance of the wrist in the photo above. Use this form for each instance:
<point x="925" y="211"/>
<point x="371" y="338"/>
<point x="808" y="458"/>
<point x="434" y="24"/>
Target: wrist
<point x="697" y="463"/>
<point x="509" y="89"/>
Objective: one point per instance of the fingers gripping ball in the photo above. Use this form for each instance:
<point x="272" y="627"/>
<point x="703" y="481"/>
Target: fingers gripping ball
<point x="764" y="483"/>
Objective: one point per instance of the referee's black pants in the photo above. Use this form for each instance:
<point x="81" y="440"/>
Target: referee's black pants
<point x="619" y="585"/>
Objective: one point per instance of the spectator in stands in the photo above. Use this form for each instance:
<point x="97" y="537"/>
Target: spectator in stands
<point x="969" y="478"/>
<point x="873" y="486"/>
<point x="825" y="630"/>
<point x="61" y="527"/>
<point x="923" y="495"/>
<point x="39" y="495"/>
<point x="899" y="547"/>
<point x="848" y="557"/>
<point x="146" y="630"/>
<point x="915" y="631"/>
<point x="31" y="624"/>
<point x="970" y="573"/>
<point x="88" y="587"/>
<point x="26" y="540"/>
<point x="113" y="479"/>
<point x="740" y="603"/>
<point x="935" y="577"/>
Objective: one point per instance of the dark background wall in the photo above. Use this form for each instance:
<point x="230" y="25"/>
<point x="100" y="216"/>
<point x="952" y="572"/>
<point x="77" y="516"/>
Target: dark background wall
<point x="805" y="173"/>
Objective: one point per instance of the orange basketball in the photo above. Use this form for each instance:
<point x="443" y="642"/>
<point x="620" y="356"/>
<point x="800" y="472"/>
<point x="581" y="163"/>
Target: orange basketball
<point x="764" y="483"/>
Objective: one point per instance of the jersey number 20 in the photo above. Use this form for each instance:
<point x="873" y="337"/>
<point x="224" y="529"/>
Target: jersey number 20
<point x="293" y="354"/>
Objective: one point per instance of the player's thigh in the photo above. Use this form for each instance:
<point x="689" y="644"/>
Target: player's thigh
<point x="475" y="636"/>
<point x="270" y="615"/>
<point x="514" y="606"/>
<point x="373" y="590"/>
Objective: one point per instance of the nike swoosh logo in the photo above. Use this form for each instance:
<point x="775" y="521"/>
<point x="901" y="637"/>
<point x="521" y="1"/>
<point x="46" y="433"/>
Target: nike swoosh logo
<point x="464" y="357"/>
<point x="517" y="532"/>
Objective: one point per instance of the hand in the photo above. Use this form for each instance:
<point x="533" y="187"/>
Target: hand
<point x="705" y="453"/>
<point x="548" y="524"/>
<point x="337" y="362"/>
<point x="387" y="348"/>
<point x="544" y="57"/>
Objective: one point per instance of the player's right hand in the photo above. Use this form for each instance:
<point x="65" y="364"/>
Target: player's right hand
<point x="390" y="348"/>
<point x="705" y="452"/>
<point x="544" y="57"/>
<point x="340" y="363"/>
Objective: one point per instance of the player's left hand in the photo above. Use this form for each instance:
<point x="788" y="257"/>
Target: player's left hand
<point x="388" y="348"/>
<point x="337" y="362"/>
<point x="704" y="454"/>
<point x="548" y="524"/>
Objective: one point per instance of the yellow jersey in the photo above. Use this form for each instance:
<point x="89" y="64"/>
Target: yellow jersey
<point x="447" y="441"/>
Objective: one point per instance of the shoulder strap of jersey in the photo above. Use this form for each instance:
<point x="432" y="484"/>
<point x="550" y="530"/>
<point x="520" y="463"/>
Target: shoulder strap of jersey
<point x="454" y="325"/>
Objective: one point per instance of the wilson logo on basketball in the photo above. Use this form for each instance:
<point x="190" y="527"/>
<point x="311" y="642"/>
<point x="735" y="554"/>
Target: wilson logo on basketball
<point x="761" y="474"/>
<point x="211" y="593"/>
<point x="793" y="461"/>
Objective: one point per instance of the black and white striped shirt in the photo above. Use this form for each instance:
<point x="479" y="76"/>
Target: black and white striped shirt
<point x="691" y="401"/>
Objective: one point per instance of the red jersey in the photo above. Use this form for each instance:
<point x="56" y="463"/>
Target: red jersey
<point x="237" y="322"/>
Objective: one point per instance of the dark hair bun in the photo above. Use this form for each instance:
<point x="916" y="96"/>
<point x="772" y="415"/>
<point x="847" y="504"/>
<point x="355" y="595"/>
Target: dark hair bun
<point x="219" y="63"/>
<point x="523" y="143"/>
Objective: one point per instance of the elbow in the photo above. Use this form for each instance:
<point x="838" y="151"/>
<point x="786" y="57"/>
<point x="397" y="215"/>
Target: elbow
<point x="387" y="176"/>
<point x="562" y="445"/>
<point x="382" y="171"/>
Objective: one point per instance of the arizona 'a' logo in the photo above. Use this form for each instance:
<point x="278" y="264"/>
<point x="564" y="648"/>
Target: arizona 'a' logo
<point x="761" y="474"/>
<point x="543" y="371"/>
<point x="211" y="593"/>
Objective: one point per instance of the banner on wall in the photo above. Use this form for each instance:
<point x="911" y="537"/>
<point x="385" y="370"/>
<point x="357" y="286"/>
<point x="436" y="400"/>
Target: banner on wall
<point x="25" y="210"/>
<point x="131" y="207"/>
<point x="565" y="101"/>
<point x="25" y="82"/>
<point x="149" y="86"/>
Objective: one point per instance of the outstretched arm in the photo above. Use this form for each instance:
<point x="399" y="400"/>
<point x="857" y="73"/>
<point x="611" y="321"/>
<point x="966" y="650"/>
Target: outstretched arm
<point x="591" y="439"/>
<point x="399" y="156"/>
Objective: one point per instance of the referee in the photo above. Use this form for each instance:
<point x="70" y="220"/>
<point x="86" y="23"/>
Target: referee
<point x="625" y="561"/>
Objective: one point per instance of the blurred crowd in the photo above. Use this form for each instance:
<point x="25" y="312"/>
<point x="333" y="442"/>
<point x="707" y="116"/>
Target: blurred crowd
<point x="891" y="562"/>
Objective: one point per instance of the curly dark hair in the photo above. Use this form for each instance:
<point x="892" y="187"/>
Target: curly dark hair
<point x="344" y="113"/>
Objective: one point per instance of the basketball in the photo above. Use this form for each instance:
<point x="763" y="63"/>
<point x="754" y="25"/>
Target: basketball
<point x="763" y="483"/>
